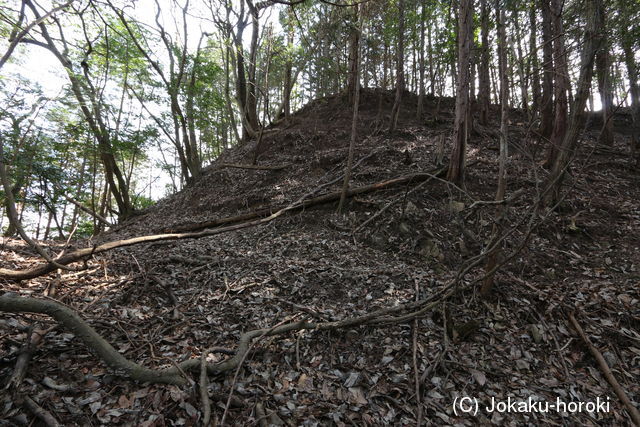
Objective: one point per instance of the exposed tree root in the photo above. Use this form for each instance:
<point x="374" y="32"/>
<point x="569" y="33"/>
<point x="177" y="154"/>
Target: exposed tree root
<point x="69" y="319"/>
<point x="82" y="254"/>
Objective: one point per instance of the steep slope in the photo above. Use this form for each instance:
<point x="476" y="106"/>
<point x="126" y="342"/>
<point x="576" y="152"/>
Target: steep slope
<point x="163" y="303"/>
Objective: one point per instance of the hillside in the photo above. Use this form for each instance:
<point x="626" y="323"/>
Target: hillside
<point x="165" y="302"/>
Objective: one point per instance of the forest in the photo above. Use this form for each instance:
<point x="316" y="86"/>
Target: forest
<point x="319" y="212"/>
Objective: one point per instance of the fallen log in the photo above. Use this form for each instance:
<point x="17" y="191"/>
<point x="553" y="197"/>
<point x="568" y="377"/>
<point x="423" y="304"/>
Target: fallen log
<point x="249" y="218"/>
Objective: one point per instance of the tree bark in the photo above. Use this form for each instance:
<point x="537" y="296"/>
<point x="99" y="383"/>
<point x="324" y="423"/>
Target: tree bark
<point x="592" y="42"/>
<point x="634" y="89"/>
<point x="561" y="83"/>
<point x="493" y="256"/>
<point x="604" y="74"/>
<point x="546" y="104"/>
<point x="483" y="68"/>
<point x="460" y="127"/>
<point x="395" y="110"/>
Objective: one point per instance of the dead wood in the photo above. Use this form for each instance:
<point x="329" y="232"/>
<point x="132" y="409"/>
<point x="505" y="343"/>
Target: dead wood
<point x="604" y="367"/>
<point x="204" y="390"/>
<point x="40" y="412"/>
<point x="258" y="167"/>
<point x="81" y="254"/>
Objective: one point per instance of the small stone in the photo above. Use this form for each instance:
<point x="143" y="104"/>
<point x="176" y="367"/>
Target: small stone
<point x="535" y="333"/>
<point x="610" y="358"/>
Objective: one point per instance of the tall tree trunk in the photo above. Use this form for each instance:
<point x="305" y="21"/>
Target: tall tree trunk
<point x="421" y="88"/>
<point x="483" y="68"/>
<point x="252" y="89"/>
<point x="561" y="80"/>
<point x="354" y="43"/>
<point x="546" y="107"/>
<point x="634" y="90"/>
<point x="432" y="74"/>
<point x="604" y="74"/>
<point x="592" y="42"/>
<point x="288" y="71"/>
<point x="395" y="110"/>
<point x="456" y="171"/>
<point x="524" y="79"/>
<point x="354" y="121"/>
<point x="533" y="65"/>
<point x="493" y="257"/>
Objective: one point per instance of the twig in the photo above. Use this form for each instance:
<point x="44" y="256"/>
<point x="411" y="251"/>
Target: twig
<point x="416" y="373"/>
<point x="396" y="200"/>
<point x="204" y="392"/>
<point x="235" y="376"/>
<point x="622" y="395"/>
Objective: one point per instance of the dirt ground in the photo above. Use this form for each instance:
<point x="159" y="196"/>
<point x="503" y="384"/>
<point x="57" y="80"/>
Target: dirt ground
<point x="581" y="258"/>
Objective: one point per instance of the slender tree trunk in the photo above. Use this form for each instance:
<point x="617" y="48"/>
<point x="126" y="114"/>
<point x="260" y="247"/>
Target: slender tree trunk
<point x="493" y="257"/>
<point x="456" y="170"/>
<point x="421" y="88"/>
<point x="354" y="122"/>
<point x="546" y="107"/>
<point x="395" y="110"/>
<point x="561" y="79"/>
<point x="432" y="74"/>
<point x="533" y="65"/>
<point x="634" y="90"/>
<point x="288" y="81"/>
<point x="603" y="71"/>
<point x="483" y="68"/>
<point x="252" y="89"/>
<point x="524" y="80"/>
<point x="354" y="42"/>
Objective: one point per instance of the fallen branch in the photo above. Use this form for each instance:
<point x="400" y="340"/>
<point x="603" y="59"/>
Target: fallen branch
<point x="235" y="375"/>
<point x="81" y="254"/>
<point x="258" y="167"/>
<point x="622" y="395"/>
<point x="40" y="412"/>
<point x="204" y="390"/>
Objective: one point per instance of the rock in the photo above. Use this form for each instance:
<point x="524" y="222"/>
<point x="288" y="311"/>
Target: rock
<point x="535" y="333"/>
<point x="455" y="206"/>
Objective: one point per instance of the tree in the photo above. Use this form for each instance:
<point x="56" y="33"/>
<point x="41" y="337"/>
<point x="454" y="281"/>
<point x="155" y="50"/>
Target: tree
<point x="492" y="258"/>
<point x="603" y="71"/>
<point x="592" y="42"/>
<point x="546" y="107"/>
<point x="177" y="84"/>
<point x="395" y="110"/>
<point x="483" y="67"/>
<point x="88" y="98"/>
<point x="455" y="173"/>
<point x="561" y="83"/>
